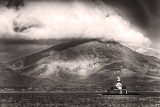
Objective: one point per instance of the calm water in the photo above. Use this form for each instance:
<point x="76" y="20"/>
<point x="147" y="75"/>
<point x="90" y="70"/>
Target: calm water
<point x="148" y="99"/>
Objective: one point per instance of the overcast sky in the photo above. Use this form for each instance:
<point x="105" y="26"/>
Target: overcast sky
<point x="135" y="23"/>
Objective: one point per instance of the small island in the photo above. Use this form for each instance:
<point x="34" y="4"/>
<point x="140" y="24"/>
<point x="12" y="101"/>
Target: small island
<point x="118" y="89"/>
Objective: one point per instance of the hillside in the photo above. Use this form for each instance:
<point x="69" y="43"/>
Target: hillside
<point x="87" y="61"/>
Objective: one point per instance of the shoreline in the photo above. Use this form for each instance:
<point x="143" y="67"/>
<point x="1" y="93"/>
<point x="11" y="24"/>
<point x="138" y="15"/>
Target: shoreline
<point x="40" y="92"/>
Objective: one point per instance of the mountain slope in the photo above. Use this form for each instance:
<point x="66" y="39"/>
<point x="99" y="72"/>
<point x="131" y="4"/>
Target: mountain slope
<point x="9" y="78"/>
<point x="33" y="58"/>
<point x="87" y="61"/>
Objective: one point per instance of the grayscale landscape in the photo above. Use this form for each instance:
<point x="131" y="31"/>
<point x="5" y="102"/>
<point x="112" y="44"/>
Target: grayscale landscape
<point x="83" y="63"/>
<point x="68" y="53"/>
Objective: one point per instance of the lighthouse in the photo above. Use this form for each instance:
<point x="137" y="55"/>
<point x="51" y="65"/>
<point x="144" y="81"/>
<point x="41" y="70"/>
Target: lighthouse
<point x="117" y="89"/>
<point x="119" y="85"/>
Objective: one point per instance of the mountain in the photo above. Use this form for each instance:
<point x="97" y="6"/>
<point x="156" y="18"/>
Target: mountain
<point x="87" y="61"/>
<point x="9" y="78"/>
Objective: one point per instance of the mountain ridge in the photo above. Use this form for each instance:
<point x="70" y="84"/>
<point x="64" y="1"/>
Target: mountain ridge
<point x="87" y="62"/>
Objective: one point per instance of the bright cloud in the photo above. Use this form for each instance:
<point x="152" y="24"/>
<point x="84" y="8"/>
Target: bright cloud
<point x="149" y="51"/>
<point x="45" y="20"/>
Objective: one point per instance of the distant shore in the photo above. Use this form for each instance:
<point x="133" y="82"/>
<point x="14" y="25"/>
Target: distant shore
<point x="71" y="92"/>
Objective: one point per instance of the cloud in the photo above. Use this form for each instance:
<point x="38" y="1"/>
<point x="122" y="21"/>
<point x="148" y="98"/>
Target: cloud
<point x="76" y="19"/>
<point x="7" y="17"/>
<point x="149" y="51"/>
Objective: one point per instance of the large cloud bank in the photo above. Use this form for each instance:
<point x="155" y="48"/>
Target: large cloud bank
<point x="45" y="20"/>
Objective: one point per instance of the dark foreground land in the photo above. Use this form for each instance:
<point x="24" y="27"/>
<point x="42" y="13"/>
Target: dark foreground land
<point x="147" y="99"/>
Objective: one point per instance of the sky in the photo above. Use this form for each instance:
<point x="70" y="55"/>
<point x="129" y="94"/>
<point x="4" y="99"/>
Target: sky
<point x="134" y="23"/>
